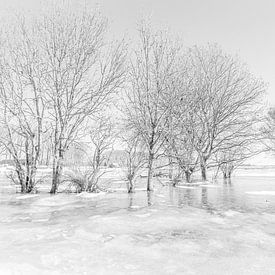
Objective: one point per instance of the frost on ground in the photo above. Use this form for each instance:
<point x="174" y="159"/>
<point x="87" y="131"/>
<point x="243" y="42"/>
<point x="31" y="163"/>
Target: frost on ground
<point x="168" y="231"/>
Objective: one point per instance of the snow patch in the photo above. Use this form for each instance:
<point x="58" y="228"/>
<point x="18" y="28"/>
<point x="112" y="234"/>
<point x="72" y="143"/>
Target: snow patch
<point x="143" y="215"/>
<point x="135" y="206"/>
<point x="186" y="187"/>
<point x="53" y="201"/>
<point x="29" y="196"/>
<point x="210" y="186"/>
<point x="269" y="193"/>
<point x="118" y="189"/>
<point x="90" y="195"/>
<point x="201" y="183"/>
<point x="140" y="189"/>
<point x="230" y="213"/>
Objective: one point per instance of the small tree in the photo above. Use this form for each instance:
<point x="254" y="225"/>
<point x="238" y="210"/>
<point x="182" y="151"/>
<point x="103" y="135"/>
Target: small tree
<point x="231" y="159"/>
<point x="102" y="136"/>
<point x="133" y="159"/>
<point x="184" y="155"/>
<point x="82" y="74"/>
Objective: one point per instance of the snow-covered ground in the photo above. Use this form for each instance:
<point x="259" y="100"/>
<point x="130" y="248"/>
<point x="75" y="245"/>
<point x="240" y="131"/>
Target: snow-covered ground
<point x="210" y="229"/>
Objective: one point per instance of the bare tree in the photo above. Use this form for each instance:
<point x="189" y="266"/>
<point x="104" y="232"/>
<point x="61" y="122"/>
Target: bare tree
<point x="182" y="153"/>
<point x="225" y="103"/>
<point x="268" y="131"/>
<point x="228" y="160"/>
<point x="82" y="74"/>
<point x="22" y="102"/>
<point x="133" y="159"/>
<point x="151" y="76"/>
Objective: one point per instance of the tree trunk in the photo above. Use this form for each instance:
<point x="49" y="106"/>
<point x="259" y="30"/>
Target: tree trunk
<point x="130" y="186"/>
<point x="22" y="183"/>
<point x="224" y="175"/>
<point x="187" y="176"/>
<point x="57" y="171"/>
<point x="203" y="173"/>
<point x="203" y="169"/>
<point x="150" y="166"/>
<point x="23" y="186"/>
<point x="170" y="169"/>
<point x="31" y="183"/>
<point x="227" y="174"/>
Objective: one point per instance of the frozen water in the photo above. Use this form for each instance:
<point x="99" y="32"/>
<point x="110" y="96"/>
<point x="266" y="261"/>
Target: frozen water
<point x="198" y="230"/>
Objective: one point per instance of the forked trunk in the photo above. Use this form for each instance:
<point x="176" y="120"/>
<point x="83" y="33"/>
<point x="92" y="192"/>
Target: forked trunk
<point x="227" y="174"/>
<point x="130" y="184"/>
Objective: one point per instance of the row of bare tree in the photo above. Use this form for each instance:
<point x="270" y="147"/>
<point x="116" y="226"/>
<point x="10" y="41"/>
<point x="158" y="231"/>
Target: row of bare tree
<point x="197" y="107"/>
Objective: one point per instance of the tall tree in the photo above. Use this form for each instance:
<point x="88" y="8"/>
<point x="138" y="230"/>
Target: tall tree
<point x="152" y="72"/>
<point x="22" y="101"/>
<point x="82" y="74"/>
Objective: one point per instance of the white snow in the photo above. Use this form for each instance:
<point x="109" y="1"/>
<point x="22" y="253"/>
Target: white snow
<point x="55" y="200"/>
<point x="143" y="215"/>
<point x="135" y="206"/>
<point x="90" y="195"/>
<point x="28" y="196"/>
<point x="261" y="193"/>
<point x="210" y="186"/>
<point x="186" y="187"/>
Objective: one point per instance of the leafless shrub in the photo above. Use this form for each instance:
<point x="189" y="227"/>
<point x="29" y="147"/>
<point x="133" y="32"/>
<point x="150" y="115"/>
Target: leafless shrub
<point x="86" y="178"/>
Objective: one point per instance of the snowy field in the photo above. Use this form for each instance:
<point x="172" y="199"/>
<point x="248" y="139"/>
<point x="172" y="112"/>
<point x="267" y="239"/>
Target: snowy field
<point x="211" y="229"/>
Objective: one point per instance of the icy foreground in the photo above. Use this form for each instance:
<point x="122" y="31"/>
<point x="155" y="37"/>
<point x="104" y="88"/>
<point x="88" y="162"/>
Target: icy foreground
<point x="172" y="231"/>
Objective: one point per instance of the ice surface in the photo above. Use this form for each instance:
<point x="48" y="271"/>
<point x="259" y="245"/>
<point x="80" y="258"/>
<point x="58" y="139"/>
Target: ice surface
<point x="169" y="231"/>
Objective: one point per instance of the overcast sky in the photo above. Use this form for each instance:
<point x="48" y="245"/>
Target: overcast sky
<point x="245" y="27"/>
